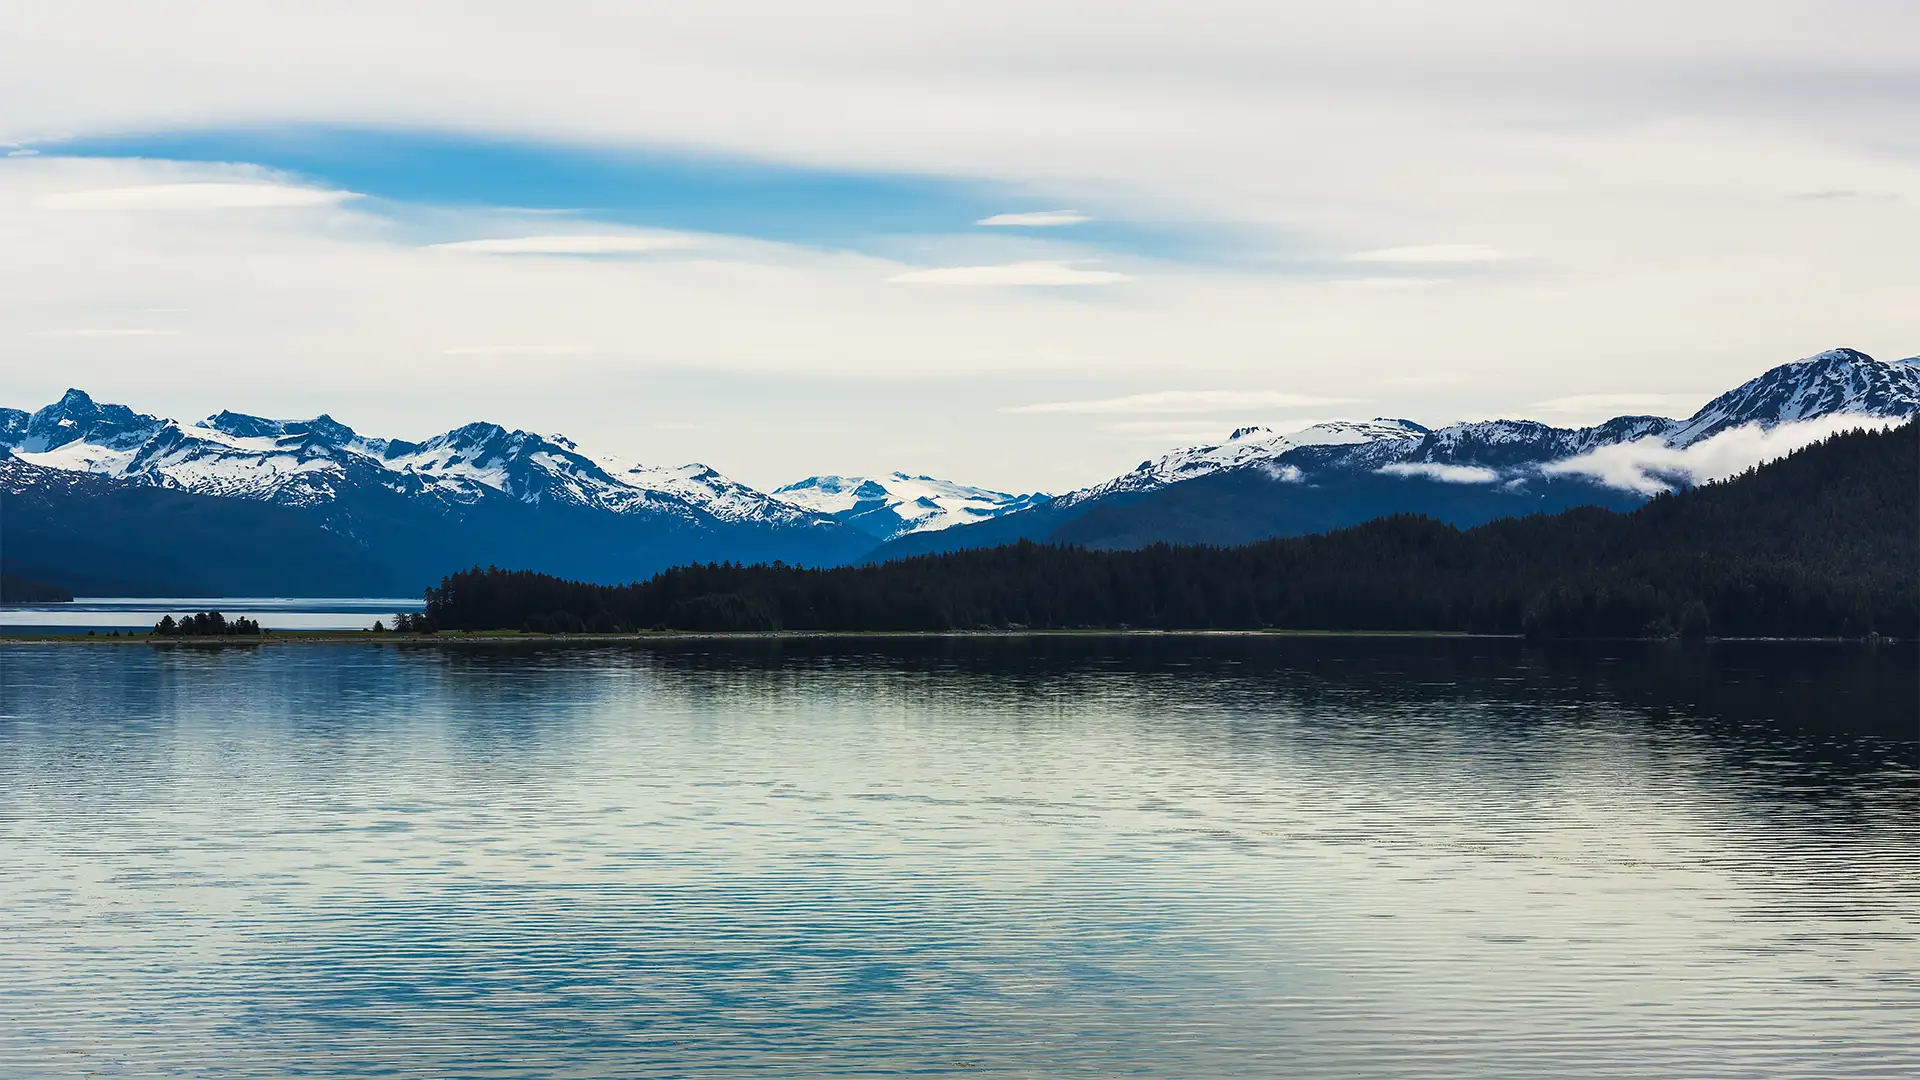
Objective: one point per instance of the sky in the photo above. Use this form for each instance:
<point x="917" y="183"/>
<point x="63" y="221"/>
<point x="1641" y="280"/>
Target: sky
<point x="1024" y="245"/>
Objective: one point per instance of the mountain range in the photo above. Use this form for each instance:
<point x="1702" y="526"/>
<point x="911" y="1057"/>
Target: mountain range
<point x="101" y="498"/>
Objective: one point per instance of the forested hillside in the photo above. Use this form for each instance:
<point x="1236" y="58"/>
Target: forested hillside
<point x="1824" y="542"/>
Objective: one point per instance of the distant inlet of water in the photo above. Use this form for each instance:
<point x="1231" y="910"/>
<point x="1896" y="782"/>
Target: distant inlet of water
<point x="108" y="613"/>
<point x="1080" y="857"/>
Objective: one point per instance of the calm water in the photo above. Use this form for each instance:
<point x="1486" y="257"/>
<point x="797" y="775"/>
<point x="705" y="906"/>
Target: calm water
<point x="1065" y="857"/>
<point x="103" y="614"/>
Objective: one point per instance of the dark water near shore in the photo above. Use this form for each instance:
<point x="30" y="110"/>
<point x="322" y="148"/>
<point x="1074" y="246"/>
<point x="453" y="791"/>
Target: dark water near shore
<point x="1047" y="857"/>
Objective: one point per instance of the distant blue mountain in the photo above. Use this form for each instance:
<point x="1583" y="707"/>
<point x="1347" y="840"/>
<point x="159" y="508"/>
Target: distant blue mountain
<point x="103" y="497"/>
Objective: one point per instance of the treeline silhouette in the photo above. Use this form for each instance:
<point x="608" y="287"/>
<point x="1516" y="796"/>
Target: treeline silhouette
<point x="205" y="624"/>
<point x="1825" y="542"/>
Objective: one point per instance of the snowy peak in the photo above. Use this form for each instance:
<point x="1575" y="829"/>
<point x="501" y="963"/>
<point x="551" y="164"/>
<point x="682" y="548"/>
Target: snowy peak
<point x="712" y="491"/>
<point x="320" y="461"/>
<point x="894" y="505"/>
<point x="323" y="429"/>
<point x="1247" y="446"/>
<point x="76" y="417"/>
<point x="1838" y="381"/>
<point x="1507" y="443"/>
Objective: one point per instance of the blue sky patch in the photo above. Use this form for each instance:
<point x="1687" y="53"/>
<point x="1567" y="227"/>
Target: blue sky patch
<point x="657" y="188"/>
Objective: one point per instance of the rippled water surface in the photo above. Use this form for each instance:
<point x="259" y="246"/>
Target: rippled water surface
<point x="1053" y="857"/>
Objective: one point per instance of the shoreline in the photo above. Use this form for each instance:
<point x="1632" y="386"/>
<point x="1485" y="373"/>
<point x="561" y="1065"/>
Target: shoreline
<point x="455" y="638"/>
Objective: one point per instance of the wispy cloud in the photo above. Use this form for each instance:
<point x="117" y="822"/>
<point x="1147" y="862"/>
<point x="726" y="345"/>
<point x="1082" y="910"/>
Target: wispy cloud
<point x="1650" y="466"/>
<point x="104" y="332"/>
<point x="1037" y="219"/>
<point x="584" y="244"/>
<point x="1021" y="273"/>
<point x="1428" y="253"/>
<point x="1392" y="282"/>
<point x="1185" y="432"/>
<point x="1446" y="474"/>
<point x="1180" y="401"/>
<point x="536" y="349"/>
<point x="195" y="196"/>
<point x="1613" y="403"/>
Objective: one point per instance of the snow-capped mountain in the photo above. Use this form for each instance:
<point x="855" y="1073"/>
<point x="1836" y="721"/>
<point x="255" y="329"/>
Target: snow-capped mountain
<point x="314" y="462"/>
<point x="1261" y="483"/>
<point x="894" y="505"/>
<point x="474" y="495"/>
<point x="1835" y="382"/>
<point x="1246" y="446"/>
<point x="409" y="512"/>
<point x="1840" y="382"/>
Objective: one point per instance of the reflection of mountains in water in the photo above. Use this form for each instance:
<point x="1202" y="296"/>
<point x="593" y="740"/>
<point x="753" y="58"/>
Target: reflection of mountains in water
<point x="1839" y="700"/>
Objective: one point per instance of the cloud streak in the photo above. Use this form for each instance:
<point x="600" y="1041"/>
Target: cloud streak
<point x="1427" y="254"/>
<point x="581" y="244"/>
<point x="1179" y="402"/>
<point x="211" y="195"/>
<point x="1020" y="273"/>
<point x="1037" y="219"/>
<point x="516" y="350"/>
<point x="104" y="332"/>
<point x="1613" y="404"/>
<point x="1446" y="474"/>
<point x="1649" y="466"/>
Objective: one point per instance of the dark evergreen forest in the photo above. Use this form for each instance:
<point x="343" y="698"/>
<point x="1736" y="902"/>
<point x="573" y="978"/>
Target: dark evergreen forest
<point x="206" y="624"/>
<point x="1825" y="542"/>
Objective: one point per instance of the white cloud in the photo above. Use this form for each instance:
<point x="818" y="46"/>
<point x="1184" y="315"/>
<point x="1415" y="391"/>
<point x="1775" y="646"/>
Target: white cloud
<point x="584" y="244"/>
<point x="1180" y="401"/>
<point x="1037" y="219"/>
<point x="1286" y="474"/>
<point x="1446" y="474"/>
<point x="104" y="332"/>
<point x="775" y="346"/>
<point x="1390" y="282"/>
<point x="1021" y="273"/>
<point x="1650" y="466"/>
<point x="517" y="350"/>
<point x="195" y="196"/>
<point x="1615" y="404"/>
<point x="1428" y="253"/>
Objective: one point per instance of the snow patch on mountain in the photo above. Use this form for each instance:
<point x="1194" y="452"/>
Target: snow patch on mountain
<point x="703" y="486"/>
<point x="1644" y="454"/>
<point x="316" y="462"/>
<point x="1247" y="446"/>
<point x="897" y="504"/>
<point x="1833" y="382"/>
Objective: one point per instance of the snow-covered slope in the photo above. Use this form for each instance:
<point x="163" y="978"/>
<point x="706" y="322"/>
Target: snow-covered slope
<point x="1838" y="381"/>
<point x="1248" y="446"/>
<point x="364" y="487"/>
<point x="894" y="505"/>
<point x="316" y="462"/>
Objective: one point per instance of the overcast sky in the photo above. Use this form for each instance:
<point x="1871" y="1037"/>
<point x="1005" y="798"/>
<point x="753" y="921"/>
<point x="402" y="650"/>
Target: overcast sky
<point x="1018" y="244"/>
